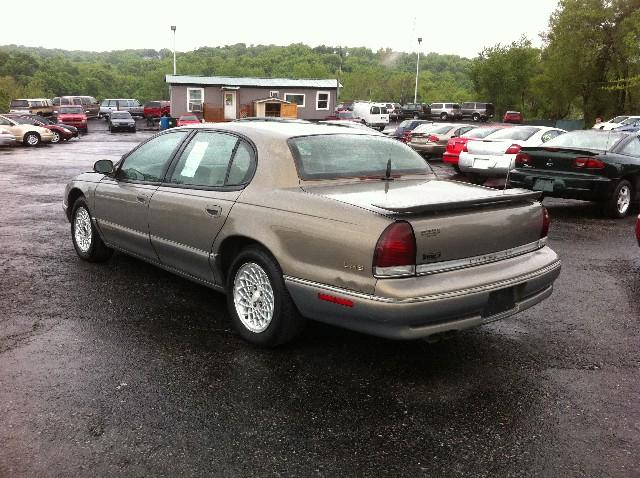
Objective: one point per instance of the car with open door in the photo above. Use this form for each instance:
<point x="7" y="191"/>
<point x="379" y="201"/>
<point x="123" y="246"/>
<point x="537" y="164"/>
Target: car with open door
<point x="297" y="221"/>
<point x="592" y="165"/>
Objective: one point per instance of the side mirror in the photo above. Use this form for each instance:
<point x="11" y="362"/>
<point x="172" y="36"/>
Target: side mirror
<point x="103" y="166"/>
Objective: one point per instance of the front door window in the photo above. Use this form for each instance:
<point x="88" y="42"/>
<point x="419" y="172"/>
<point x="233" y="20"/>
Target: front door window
<point x="148" y="162"/>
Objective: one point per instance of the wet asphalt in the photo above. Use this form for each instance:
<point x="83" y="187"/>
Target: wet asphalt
<point x="122" y="369"/>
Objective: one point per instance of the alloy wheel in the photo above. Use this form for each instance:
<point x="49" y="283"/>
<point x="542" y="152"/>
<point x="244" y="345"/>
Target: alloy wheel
<point x="253" y="297"/>
<point x="624" y="199"/>
<point x="82" y="230"/>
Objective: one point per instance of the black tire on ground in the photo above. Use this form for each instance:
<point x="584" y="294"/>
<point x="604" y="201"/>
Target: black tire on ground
<point x="444" y="116"/>
<point x="97" y="250"/>
<point x="475" y="117"/>
<point x="619" y="204"/>
<point x="31" y="139"/>
<point x="286" y="322"/>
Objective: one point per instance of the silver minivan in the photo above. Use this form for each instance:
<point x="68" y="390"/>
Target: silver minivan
<point x="131" y="105"/>
<point x="446" y="111"/>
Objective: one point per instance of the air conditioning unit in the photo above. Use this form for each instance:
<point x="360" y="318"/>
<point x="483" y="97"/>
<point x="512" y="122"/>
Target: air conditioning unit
<point x="195" y="106"/>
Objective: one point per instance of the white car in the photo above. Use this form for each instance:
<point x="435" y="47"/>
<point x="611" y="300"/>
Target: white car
<point x="6" y="138"/>
<point x="616" y="122"/>
<point x="494" y="156"/>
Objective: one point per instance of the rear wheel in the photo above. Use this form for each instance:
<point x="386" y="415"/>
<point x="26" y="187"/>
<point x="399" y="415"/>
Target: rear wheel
<point x="475" y="117"/>
<point x="259" y="303"/>
<point x="86" y="240"/>
<point x="31" y="139"/>
<point x="444" y="116"/>
<point x="619" y="203"/>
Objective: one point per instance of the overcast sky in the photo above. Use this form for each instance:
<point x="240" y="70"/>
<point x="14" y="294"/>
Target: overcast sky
<point x="461" y="27"/>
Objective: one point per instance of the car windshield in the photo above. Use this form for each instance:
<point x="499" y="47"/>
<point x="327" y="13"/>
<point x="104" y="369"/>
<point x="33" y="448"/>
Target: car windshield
<point x="72" y="111"/>
<point x="188" y="118"/>
<point x="347" y="156"/>
<point x="521" y="133"/>
<point x="479" y="133"/>
<point x="591" y="139"/>
<point x="120" y="115"/>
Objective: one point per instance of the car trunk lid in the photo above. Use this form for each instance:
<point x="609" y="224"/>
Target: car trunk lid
<point x="553" y="159"/>
<point x="451" y="220"/>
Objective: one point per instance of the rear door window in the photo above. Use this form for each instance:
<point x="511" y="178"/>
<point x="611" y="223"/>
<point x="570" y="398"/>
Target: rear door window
<point x="632" y="148"/>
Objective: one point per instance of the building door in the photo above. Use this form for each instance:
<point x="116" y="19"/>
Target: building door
<point x="229" y="105"/>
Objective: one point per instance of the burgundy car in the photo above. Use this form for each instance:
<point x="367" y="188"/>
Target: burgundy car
<point x="60" y="132"/>
<point x="73" y="115"/>
<point x="155" y="109"/>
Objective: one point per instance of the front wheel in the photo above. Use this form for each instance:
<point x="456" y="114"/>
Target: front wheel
<point x="259" y="303"/>
<point x="618" y="205"/>
<point x="56" y="137"/>
<point x="86" y="240"/>
<point x="31" y="139"/>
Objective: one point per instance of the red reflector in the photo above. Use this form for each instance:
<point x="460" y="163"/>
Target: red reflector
<point x="396" y="246"/>
<point x="546" y="222"/>
<point x="513" y="149"/>
<point x="464" y="149"/>
<point x="335" y="300"/>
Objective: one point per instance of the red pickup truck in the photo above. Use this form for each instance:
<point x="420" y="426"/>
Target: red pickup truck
<point x="155" y="109"/>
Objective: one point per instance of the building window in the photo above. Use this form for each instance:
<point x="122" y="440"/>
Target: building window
<point x="297" y="98"/>
<point x="274" y="94"/>
<point x="322" y="100"/>
<point x="195" y="98"/>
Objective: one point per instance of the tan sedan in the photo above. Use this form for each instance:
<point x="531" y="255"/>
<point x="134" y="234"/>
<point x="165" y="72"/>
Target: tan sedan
<point x="297" y="221"/>
<point x="431" y="139"/>
<point x="27" y="134"/>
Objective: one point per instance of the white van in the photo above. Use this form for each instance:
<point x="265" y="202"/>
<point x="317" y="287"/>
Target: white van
<point x="374" y="115"/>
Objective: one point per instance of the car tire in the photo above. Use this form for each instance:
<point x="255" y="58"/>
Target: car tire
<point x="56" y="137"/>
<point x="619" y="204"/>
<point x="475" y="117"/>
<point x="86" y="239"/>
<point x="279" y="321"/>
<point x="444" y="116"/>
<point x="31" y="139"/>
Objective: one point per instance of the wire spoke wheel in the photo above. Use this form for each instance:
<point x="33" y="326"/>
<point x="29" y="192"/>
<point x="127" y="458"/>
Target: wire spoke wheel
<point x="82" y="232"/>
<point x="253" y="297"/>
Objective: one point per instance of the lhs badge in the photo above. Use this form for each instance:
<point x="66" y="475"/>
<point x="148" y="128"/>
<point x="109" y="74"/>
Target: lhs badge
<point x="549" y="163"/>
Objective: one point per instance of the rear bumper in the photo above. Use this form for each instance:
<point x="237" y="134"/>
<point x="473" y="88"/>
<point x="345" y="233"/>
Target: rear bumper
<point x="486" y="165"/>
<point x="450" y="158"/>
<point x="418" y="307"/>
<point x="565" y="185"/>
<point x="427" y="148"/>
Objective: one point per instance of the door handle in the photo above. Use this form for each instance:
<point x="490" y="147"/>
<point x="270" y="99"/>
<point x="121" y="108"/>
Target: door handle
<point x="213" y="210"/>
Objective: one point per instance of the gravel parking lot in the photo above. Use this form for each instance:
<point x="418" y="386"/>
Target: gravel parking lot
<point x="122" y="369"/>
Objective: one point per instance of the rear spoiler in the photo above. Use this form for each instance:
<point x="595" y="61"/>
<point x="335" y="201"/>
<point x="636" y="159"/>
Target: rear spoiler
<point x="503" y="197"/>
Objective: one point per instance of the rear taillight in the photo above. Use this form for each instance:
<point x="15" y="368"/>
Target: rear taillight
<point x="523" y="159"/>
<point x="433" y="138"/>
<point x="546" y="221"/>
<point x="587" y="163"/>
<point x="407" y="136"/>
<point x="465" y="149"/>
<point x="513" y="149"/>
<point x="395" y="253"/>
<point x="638" y="230"/>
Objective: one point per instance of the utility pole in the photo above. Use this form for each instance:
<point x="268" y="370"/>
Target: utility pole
<point x="415" y="93"/>
<point x="173" y="29"/>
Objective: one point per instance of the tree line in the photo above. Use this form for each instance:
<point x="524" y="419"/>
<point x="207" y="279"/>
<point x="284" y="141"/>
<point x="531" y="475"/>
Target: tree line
<point x="589" y="65"/>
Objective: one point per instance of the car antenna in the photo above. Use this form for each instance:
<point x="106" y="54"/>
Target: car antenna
<point x="387" y="175"/>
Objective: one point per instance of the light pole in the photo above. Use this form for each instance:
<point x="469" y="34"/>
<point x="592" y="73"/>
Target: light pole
<point x="173" y="29"/>
<point x="415" y="93"/>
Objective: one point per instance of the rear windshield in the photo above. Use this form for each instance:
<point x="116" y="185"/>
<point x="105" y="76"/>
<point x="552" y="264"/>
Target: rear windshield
<point x="19" y="104"/>
<point x="479" y="133"/>
<point x="120" y="115"/>
<point x="348" y="156"/>
<point x="424" y="128"/>
<point x="522" y="133"/>
<point x="188" y="118"/>
<point x="618" y="119"/>
<point x="631" y="120"/>
<point x="153" y="104"/>
<point x="590" y="139"/>
<point x="72" y="110"/>
<point x="345" y="115"/>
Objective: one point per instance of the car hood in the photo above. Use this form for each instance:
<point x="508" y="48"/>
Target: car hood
<point x="417" y="196"/>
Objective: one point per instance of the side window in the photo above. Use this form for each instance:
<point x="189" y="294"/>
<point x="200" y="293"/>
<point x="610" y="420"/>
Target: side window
<point x="205" y="161"/>
<point x="550" y="135"/>
<point x="241" y="166"/>
<point x="632" y="148"/>
<point x="375" y="110"/>
<point x="147" y="163"/>
<point x="4" y="122"/>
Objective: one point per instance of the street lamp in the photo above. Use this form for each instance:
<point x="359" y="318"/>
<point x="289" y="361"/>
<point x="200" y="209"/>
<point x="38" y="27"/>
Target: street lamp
<point x="415" y="93"/>
<point x="173" y="29"/>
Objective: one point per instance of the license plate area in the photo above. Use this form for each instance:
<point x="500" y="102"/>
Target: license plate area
<point x="480" y="163"/>
<point x="500" y="301"/>
<point x="543" y="185"/>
